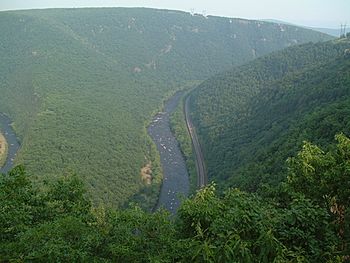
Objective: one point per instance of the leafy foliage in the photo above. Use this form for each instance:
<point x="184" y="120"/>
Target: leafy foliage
<point x="327" y="177"/>
<point x="291" y="225"/>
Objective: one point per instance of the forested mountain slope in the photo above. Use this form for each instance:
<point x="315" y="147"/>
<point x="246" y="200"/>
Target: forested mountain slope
<point x="81" y="84"/>
<point x="252" y="118"/>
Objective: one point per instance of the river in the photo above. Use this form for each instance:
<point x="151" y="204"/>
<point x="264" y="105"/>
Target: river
<point x="175" y="181"/>
<point x="175" y="175"/>
<point x="12" y="142"/>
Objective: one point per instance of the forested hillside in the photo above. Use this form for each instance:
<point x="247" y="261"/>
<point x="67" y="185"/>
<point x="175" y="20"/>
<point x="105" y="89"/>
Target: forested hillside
<point x="252" y="118"/>
<point x="81" y="84"/>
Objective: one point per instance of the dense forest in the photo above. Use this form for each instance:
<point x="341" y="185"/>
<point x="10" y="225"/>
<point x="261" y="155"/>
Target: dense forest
<point x="305" y="219"/>
<point x="81" y="85"/>
<point x="252" y="118"/>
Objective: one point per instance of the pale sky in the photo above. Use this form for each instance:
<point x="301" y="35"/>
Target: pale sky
<point x="317" y="13"/>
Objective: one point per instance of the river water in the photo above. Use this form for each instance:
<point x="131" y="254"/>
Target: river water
<point x="175" y="182"/>
<point x="12" y="142"/>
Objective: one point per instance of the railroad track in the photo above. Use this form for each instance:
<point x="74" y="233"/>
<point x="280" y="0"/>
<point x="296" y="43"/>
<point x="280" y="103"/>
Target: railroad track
<point x="200" y="165"/>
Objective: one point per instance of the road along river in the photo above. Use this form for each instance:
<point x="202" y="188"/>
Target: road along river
<point x="12" y="142"/>
<point x="175" y="181"/>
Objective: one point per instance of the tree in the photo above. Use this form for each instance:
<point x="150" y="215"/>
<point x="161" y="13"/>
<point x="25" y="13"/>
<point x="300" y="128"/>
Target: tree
<point x="238" y="227"/>
<point x="17" y="199"/>
<point x="324" y="177"/>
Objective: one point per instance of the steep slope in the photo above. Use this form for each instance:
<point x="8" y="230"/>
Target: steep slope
<point x="251" y="119"/>
<point x="81" y="84"/>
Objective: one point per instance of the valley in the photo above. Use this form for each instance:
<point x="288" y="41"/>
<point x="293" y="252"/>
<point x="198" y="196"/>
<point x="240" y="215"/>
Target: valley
<point x="151" y="135"/>
<point x="70" y="78"/>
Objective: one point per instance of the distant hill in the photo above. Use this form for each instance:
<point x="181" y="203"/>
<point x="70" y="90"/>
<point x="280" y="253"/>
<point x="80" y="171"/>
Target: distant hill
<point x="82" y="84"/>
<point x="330" y="31"/>
<point x="252" y="118"/>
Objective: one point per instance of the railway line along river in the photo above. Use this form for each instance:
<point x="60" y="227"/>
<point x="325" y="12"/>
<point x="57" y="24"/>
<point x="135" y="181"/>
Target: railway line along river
<point x="175" y="180"/>
<point x="12" y="142"/>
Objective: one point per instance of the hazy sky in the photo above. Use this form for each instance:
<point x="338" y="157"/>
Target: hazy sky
<point x="321" y="13"/>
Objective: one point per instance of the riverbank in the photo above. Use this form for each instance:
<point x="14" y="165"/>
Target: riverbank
<point x="3" y="150"/>
<point x="179" y="128"/>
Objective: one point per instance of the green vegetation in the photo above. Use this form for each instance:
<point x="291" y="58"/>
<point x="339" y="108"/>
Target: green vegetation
<point x="82" y="84"/>
<point x="252" y="118"/>
<point x="305" y="219"/>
